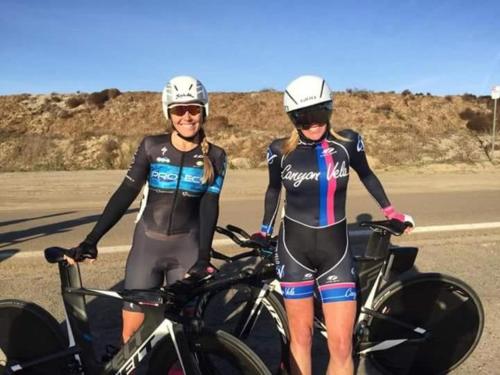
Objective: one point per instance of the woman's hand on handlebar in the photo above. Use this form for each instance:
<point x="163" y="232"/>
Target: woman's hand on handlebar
<point x="261" y="239"/>
<point x="200" y="270"/>
<point x="84" y="252"/>
<point x="391" y="213"/>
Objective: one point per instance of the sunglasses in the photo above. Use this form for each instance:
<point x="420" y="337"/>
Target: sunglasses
<point x="181" y="109"/>
<point x="317" y="114"/>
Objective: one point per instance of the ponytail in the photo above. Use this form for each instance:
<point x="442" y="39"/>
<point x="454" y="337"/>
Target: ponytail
<point x="208" y="168"/>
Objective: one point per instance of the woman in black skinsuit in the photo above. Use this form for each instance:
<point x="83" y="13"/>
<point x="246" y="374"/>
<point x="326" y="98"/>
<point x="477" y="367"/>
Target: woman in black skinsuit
<point x="313" y="165"/>
<point x="184" y="175"/>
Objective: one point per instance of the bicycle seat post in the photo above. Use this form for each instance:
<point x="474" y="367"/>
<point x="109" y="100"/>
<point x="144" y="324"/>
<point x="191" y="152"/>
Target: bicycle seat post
<point x="378" y="243"/>
<point x="76" y="313"/>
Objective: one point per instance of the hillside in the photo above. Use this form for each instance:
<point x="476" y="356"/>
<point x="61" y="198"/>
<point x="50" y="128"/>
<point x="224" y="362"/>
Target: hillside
<point x="102" y="130"/>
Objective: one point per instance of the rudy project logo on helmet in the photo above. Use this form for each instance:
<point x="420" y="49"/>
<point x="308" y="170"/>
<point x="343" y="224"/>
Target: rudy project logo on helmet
<point x="184" y="95"/>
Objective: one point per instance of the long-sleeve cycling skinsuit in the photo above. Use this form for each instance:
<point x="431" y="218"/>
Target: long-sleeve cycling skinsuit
<point x="177" y="223"/>
<point x="313" y="244"/>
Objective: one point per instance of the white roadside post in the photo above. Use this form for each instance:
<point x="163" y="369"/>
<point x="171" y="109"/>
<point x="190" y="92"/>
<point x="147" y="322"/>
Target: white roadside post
<point x="495" y="95"/>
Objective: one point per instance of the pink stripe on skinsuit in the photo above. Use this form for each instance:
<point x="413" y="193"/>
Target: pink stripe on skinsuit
<point x="332" y="184"/>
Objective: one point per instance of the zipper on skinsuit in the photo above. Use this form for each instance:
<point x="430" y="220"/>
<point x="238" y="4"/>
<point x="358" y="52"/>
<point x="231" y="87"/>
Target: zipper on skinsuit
<point x="169" y="231"/>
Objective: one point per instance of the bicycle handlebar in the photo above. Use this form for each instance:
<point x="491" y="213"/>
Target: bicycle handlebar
<point x="232" y="232"/>
<point x="56" y="254"/>
<point x="393" y="226"/>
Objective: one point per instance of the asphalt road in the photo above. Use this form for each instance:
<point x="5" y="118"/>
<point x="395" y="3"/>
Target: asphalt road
<point x="43" y="209"/>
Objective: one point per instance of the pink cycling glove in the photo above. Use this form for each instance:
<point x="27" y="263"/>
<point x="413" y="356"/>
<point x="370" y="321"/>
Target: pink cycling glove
<point x="391" y="213"/>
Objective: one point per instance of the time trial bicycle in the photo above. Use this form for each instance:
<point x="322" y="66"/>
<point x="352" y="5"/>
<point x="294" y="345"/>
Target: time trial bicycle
<point x="31" y="341"/>
<point x="407" y="322"/>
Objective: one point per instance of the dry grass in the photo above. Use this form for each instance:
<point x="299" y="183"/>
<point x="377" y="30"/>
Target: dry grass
<point x="103" y="129"/>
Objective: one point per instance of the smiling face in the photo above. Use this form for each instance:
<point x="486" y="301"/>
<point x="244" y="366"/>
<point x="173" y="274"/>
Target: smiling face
<point x="187" y="118"/>
<point x="314" y="131"/>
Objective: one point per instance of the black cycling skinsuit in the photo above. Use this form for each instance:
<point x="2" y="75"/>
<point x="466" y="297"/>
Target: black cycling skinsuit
<point x="313" y="244"/>
<point x="177" y="223"/>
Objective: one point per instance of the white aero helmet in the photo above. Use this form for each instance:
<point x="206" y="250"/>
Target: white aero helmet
<point x="184" y="89"/>
<point x="308" y="100"/>
<point x="306" y="91"/>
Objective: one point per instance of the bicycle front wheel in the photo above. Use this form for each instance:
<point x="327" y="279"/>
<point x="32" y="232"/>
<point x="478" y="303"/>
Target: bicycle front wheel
<point x="254" y="316"/>
<point x="27" y="333"/>
<point x="215" y="353"/>
<point x="447" y="309"/>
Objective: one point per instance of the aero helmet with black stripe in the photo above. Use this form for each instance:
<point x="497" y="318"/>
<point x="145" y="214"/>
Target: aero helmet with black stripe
<point x="308" y="99"/>
<point x="184" y="89"/>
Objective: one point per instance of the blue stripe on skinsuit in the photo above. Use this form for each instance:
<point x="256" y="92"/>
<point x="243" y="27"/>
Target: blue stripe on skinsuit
<point x="323" y="185"/>
<point x="216" y="185"/>
<point x="338" y="294"/>
<point x="164" y="176"/>
<point x="298" y="291"/>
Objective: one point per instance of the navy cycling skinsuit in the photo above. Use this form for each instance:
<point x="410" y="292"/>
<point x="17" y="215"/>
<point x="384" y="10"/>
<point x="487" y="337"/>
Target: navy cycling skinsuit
<point x="313" y="244"/>
<point x="177" y="223"/>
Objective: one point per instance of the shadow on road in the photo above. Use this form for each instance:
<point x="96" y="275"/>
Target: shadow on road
<point x="16" y="237"/>
<point x="17" y="221"/>
<point x="6" y="254"/>
<point x="106" y="331"/>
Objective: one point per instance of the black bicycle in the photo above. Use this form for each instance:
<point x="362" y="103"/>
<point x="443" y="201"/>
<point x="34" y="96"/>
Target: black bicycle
<point x="31" y="341"/>
<point x="408" y="322"/>
<point x="249" y="307"/>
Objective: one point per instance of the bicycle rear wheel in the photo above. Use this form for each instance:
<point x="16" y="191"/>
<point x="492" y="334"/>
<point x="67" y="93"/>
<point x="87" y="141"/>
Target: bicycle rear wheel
<point x="447" y="308"/>
<point x="216" y="353"/>
<point x="28" y="332"/>
<point x="262" y="326"/>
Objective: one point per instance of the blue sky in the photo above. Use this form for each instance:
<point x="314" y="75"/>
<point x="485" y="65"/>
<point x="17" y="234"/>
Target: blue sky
<point x="442" y="47"/>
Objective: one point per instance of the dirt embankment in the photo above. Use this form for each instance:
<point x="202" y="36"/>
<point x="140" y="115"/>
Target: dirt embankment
<point x="102" y="129"/>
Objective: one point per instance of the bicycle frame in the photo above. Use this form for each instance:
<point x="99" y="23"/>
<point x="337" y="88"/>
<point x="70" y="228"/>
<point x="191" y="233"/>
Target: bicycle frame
<point x="390" y="262"/>
<point x="156" y="327"/>
<point x="376" y="268"/>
